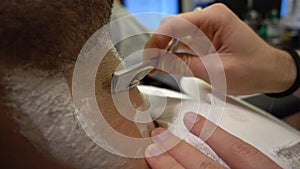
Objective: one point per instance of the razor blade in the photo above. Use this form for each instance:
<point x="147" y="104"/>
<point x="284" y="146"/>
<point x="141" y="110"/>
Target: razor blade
<point x="131" y="76"/>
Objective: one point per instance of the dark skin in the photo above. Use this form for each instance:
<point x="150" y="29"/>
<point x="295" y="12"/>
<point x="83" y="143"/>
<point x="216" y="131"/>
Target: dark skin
<point x="64" y="26"/>
<point x="48" y="35"/>
<point x="31" y="35"/>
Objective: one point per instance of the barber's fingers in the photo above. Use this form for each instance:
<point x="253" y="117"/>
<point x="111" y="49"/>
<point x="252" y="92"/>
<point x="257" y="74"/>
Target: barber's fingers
<point x="235" y="152"/>
<point x="179" y="28"/>
<point x="179" y="154"/>
<point x="182" y="64"/>
<point x="215" y="22"/>
<point x="186" y="65"/>
<point x="171" y="27"/>
<point x="161" y="161"/>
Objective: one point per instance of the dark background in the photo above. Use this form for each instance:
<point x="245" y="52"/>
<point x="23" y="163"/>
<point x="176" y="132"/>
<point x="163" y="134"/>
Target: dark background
<point x="261" y="6"/>
<point x="240" y="6"/>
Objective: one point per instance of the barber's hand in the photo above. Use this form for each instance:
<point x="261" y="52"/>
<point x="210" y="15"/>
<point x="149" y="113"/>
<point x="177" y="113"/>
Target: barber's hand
<point x="235" y="152"/>
<point x="250" y="64"/>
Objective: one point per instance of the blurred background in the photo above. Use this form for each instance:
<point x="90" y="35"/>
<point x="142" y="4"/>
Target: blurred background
<point x="276" y="21"/>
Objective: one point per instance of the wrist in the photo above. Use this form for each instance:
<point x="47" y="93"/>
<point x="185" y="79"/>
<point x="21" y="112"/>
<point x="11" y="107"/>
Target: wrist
<point x="285" y="72"/>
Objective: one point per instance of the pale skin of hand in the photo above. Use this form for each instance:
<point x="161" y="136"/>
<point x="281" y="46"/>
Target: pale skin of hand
<point x="250" y="65"/>
<point x="235" y="152"/>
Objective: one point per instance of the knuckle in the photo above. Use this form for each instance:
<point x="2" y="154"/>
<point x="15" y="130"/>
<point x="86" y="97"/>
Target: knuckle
<point x="226" y="12"/>
<point x="167" y="20"/>
<point x="243" y="149"/>
<point x="228" y="67"/>
<point x="220" y="7"/>
<point x="209" y="165"/>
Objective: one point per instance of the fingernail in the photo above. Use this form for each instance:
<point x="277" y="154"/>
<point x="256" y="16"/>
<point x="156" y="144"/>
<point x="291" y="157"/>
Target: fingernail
<point x="153" y="150"/>
<point x="190" y="119"/>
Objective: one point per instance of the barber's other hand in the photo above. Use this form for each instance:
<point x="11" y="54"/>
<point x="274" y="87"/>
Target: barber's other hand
<point x="250" y="64"/>
<point x="235" y="152"/>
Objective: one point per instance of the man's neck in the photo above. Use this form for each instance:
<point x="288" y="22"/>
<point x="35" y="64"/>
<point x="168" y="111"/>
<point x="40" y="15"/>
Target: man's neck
<point x="104" y="96"/>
